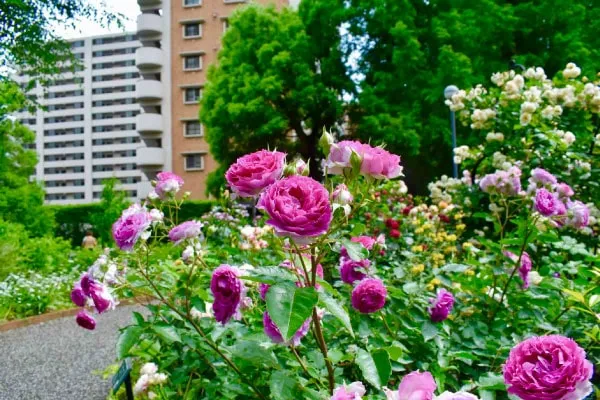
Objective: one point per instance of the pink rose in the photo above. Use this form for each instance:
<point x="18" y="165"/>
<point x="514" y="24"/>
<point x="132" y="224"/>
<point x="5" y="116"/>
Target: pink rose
<point x="369" y="296"/>
<point x="578" y="214"/>
<point x="352" y="271"/>
<point x="252" y="173"/>
<point x="417" y="386"/>
<point x="375" y="161"/>
<point x="228" y="291"/>
<point x="167" y="183"/>
<point x="185" y="230"/>
<point x="129" y="228"/>
<point x="85" y="320"/>
<point x="298" y="207"/>
<point x="353" y="391"/>
<point x="545" y="202"/>
<point x="441" y="306"/>
<point x="549" y="367"/>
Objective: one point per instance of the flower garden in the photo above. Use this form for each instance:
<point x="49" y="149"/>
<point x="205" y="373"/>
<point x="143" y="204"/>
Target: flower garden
<point x="351" y="288"/>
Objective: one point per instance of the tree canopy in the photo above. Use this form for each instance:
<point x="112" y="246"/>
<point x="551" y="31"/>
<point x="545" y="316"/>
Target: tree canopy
<point x="282" y="72"/>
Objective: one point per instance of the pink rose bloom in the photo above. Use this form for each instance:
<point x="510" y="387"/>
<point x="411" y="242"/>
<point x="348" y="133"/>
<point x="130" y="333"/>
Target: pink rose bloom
<point x="273" y="332"/>
<point x="185" y="230"/>
<point x="564" y="190"/>
<point x="417" y="386"/>
<point x="228" y="291"/>
<point x="101" y="297"/>
<point x="543" y="177"/>
<point x="578" y="214"/>
<point x="85" y="320"/>
<point x="167" y="183"/>
<point x="129" y="228"/>
<point x="376" y="162"/>
<point x="342" y="195"/>
<point x="549" y="367"/>
<point x="352" y="271"/>
<point x="503" y="182"/>
<point x="441" y="306"/>
<point x="524" y="268"/>
<point x="457" y="396"/>
<point x="252" y="173"/>
<point x="353" y="391"/>
<point x="298" y="207"/>
<point x="367" y="241"/>
<point x="369" y="295"/>
<point x="545" y="202"/>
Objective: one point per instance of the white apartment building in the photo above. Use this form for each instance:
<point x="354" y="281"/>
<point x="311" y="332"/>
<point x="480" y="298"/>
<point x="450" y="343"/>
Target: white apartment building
<point x="87" y="131"/>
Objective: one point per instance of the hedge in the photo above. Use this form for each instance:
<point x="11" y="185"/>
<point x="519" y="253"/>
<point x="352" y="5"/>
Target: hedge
<point x="73" y="220"/>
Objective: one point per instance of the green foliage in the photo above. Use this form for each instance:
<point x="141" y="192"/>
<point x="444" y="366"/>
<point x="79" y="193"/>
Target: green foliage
<point x="73" y="220"/>
<point x="273" y="79"/>
<point x="194" y="209"/>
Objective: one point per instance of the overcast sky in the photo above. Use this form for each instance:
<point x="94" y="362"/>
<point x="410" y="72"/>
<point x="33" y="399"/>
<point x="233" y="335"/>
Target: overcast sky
<point x="129" y="8"/>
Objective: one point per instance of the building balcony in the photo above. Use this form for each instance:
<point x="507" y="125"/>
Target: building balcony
<point x="143" y="188"/>
<point x="148" y="91"/>
<point x="149" y="27"/>
<point x="149" y="124"/>
<point x="150" y="157"/>
<point x="148" y="58"/>
<point x="146" y="5"/>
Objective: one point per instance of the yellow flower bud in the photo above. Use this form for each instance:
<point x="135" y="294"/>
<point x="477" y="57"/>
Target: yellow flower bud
<point x="417" y="269"/>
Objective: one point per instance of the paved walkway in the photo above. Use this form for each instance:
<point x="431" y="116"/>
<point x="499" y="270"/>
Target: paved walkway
<point x="58" y="360"/>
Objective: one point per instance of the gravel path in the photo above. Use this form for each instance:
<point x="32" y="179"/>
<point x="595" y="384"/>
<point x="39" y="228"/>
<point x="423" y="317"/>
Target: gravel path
<point x="59" y="360"/>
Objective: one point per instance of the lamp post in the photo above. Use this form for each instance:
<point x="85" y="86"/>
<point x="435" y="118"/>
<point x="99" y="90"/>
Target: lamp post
<point x="450" y="91"/>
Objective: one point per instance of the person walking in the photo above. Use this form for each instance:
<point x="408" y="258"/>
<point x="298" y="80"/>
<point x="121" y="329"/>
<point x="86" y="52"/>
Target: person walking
<point x="89" y="241"/>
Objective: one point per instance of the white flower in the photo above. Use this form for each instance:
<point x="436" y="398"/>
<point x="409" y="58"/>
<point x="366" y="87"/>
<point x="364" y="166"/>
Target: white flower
<point x="537" y="73"/>
<point x="525" y="119"/>
<point x="187" y="253"/>
<point x="149" y="369"/>
<point x="528" y="107"/>
<point x="568" y="138"/>
<point x="153" y="195"/>
<point x="156" y="215"/>
<point x="572" y="71"/>
<point x="458" y="395"/>
<point x="157" y="379"/>
<point x="494" y="136"/>
<point x="141" y="385"/>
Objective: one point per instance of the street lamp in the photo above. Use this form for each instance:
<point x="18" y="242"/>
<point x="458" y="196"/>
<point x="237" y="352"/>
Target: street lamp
<point x="448" y="93"/>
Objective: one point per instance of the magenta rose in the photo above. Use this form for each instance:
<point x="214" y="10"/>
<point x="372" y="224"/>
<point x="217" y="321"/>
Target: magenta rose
<point x="564" y="190"/>
<point x="375" y="161"/>
<point x="545" y="202"/>
<point x="85" y="320"/>
<point x="185" y="230"/>
<point x="369" y="295"/>
<point x="129" y="228"/>
<point x="353" y="391"/>
<point x="352" y="271"/>
<point x="417" y="386"/>
<point x="78" y="297"/>
<point x="273" y="332"/>
<point x="101" y="297"/>
<point x="441" y="306"/>
<point x="524" y="268"/>
<point x="167" y="183"/>
<point x="252" y="173"/>
<point x="227" y="290"/>
<point x="367" y="241"/>
<point x="550" y="367"/>
<point x="298" y="207"/>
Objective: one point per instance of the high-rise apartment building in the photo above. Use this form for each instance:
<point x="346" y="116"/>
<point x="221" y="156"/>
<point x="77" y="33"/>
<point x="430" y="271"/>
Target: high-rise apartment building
<point x="87" y="131"/>
<point x="180" y="39"/>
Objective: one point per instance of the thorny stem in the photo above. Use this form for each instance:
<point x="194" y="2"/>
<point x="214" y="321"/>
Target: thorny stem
<point x="208" y="341"/>
<point x="323" y="348"/>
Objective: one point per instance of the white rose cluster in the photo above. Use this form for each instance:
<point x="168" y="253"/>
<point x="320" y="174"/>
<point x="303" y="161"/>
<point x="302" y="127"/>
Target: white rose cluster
<point x="571" y="71"/>
<point x="456" y="103"/>
<point x="494" y="137"/>
<point x="537" y="74"/>
<point x="480" y="117"/>
<point x="441" y="190"/>
<point x="149" y="376"/>
<point x="462" y="153"/>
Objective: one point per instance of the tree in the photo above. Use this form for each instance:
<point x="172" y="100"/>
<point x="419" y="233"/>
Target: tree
<point x="411" y="49"/>
<point x="278" y="82"/>
<point x="21" y="201"/>
<point x="112" y="203"/>
<point x="27" y="34"/>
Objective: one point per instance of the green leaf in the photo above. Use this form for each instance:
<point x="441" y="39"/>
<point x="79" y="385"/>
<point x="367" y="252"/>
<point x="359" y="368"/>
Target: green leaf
<point x="283" y="387"/>
<point x="455" y="268"/>
<point x="356" y="251"/>
<point x="429" y="330"/>
<point x="167" y="333"/>
<point x="252" y="351"/>
<point x="129" y="336"/>
<point x="290" y="306"/>
<point x="375" y="367"/>
<point x="337" y="310"/>
<point x="138" y="318"/>
<point x="270" y="275"/>
<point x="491" y="382"/>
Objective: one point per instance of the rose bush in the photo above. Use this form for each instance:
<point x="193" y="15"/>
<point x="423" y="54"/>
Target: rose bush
<point x="353" y="289"/>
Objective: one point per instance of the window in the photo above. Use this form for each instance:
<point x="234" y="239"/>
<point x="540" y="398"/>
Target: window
<point x="192" y="95"/>
<point x="194" y="162"/>
<point x="192" y="62"/>
<point x="192" y="30"/>
<point x="225" y="25"/>
<point x="192" y="3"/>
<point x="193" y="128"/>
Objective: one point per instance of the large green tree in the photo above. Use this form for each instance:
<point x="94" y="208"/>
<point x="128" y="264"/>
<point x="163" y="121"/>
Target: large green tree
<point x="411" y="49"/>
<point x="278" y="82"/>
<point x="28" y="39"/>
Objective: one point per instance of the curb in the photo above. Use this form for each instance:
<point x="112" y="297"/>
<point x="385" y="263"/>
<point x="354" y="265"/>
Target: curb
<point x="47" y="317"/>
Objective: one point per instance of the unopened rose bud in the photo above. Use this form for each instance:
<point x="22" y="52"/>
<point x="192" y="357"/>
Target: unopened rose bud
<point x="342" y="195"/>
<point x="326" y="141"/>
<point x="296" y="167"/>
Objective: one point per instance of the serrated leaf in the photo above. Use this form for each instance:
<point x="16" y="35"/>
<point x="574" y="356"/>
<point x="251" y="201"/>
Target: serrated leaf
<point x="129" y="336"/>
<point x="337" y="310"/>
<point x="167" y="333"/>
<point x="375" y="367"/>
<point x="290" y="306"/>
<point x="356" y="251"/>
